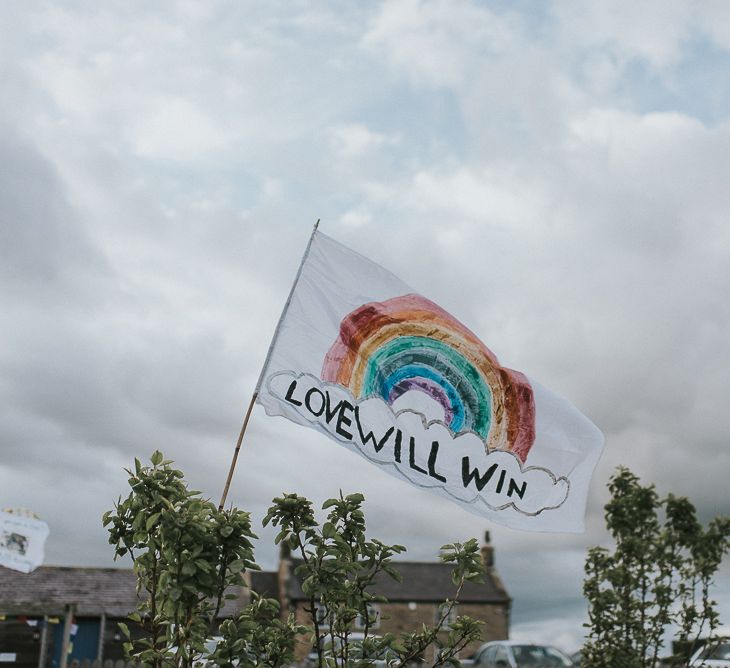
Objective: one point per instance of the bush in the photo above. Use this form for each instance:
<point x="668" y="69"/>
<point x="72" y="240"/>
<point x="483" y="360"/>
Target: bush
<point x="657" y="578"/>
<point x="187" y="556"/>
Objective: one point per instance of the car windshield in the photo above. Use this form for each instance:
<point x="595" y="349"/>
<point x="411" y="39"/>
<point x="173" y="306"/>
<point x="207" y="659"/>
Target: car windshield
<point x="539" y="655"/>
<point x="212" y="643"/>
<point x="717" y="651"/>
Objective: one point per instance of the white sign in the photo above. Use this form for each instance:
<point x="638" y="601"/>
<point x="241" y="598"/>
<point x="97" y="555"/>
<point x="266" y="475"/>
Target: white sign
<point x="22" y="542"/>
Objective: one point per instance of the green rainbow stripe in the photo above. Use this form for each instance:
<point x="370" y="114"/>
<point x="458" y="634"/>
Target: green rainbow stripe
<point x="439" y="362"/>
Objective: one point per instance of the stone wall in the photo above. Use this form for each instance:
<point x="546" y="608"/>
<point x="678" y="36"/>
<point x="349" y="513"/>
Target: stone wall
<point x="406" y="617"/>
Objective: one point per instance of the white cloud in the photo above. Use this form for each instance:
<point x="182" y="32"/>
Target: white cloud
<point x="713" y="17"/>
<point x="356" y="218"/>
<point x="494" y="194"/>
<point x="435" y="42"/>
<point x="352" y="140"/>
<point x="654" y="31"/>
<point x="174" y="129"/>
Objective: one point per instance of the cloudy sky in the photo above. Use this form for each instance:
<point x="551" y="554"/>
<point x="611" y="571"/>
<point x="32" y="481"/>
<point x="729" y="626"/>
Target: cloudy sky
<point x="553" y="173"/>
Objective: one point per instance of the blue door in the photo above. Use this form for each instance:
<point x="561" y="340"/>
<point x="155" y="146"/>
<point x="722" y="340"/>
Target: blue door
<point x="84" y="644"/>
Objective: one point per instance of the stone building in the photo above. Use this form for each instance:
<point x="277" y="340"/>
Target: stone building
<point x="412" y="602"/>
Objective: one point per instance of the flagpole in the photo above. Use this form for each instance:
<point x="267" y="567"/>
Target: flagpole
<point x="263" y="369"/>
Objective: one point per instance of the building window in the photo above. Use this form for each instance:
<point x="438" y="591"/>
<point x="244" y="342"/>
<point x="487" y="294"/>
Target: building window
<point x="320" y="613"/>
<point x="449" y="621"/>
<point x="373" y="617"/>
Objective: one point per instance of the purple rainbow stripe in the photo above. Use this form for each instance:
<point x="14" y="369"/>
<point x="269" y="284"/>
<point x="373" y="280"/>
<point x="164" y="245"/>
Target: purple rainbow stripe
<point x="429" y="387"/>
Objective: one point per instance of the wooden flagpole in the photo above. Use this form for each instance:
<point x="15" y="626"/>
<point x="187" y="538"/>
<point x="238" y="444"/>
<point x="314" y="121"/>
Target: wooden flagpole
<point x="238" y="447"/>
<point x="263" y="369"/>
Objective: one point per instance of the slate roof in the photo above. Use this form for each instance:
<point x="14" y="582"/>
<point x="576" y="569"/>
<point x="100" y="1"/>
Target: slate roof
<point x="265" y="583"/>
<point x="48" y="589"/>
<point x="422" y="581"/>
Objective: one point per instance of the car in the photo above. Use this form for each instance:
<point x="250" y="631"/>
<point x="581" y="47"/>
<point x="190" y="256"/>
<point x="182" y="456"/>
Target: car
<point x="515" y="654"/>
<point x="199" y="660"/>
<point x="715" y="653"/>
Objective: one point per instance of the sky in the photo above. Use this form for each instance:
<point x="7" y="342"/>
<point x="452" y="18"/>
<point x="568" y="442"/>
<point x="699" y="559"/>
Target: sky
<point x="554" y="174"/>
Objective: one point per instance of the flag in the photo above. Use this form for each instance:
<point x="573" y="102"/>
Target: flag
<point x="361" y="357"/>
<point x="22" y="541"/>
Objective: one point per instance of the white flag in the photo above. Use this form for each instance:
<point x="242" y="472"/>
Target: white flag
<point x="391" y="376"/>
<point x="22" y="540"/>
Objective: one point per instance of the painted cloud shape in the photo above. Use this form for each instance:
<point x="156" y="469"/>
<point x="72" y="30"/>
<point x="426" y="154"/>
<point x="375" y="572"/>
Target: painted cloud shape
<point x="426" y="453"/>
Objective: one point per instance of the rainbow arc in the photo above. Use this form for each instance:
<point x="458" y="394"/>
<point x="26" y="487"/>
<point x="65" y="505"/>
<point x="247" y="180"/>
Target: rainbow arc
<point x="408" y="343"/>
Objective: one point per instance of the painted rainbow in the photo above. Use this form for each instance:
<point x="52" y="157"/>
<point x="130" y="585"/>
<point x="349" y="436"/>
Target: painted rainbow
<point x="386" y="349"/>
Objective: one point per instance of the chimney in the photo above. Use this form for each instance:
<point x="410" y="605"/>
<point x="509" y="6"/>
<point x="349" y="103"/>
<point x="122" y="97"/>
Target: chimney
<point x="283" y="578"/>
<point x="487" y="553"/>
